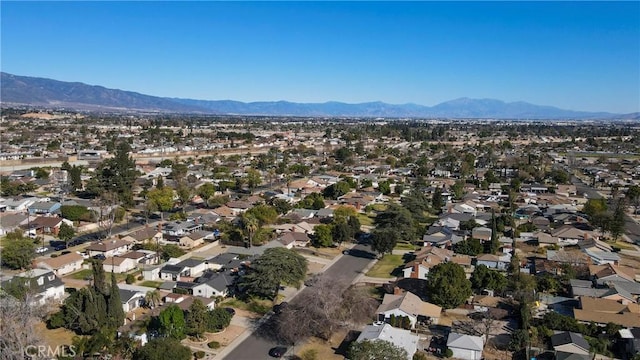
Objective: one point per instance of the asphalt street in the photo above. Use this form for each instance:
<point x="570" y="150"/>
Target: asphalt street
<point x="348" y="267"/>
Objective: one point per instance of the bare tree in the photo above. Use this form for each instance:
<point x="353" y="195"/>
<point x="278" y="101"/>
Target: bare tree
<point x="323" y="309"/>
<point x="18" y="318"/>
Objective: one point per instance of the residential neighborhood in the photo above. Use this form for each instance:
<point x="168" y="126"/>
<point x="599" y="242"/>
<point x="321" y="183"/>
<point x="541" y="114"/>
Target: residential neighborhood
<point x="469" y="240"/>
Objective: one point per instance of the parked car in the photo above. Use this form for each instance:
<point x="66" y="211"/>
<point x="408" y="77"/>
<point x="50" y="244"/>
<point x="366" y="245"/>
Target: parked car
<point x="277" y="309"/>
<point x="41" y="250"/>
<point x="60" y="247"/>
<point x="99" y="257"/>
<point x="278" y="351"/>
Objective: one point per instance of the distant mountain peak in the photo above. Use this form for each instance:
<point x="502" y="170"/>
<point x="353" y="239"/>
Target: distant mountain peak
<point x="43" y="92"/>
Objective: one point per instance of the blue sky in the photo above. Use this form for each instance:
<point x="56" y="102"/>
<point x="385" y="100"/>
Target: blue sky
<point x="580" y="56"/>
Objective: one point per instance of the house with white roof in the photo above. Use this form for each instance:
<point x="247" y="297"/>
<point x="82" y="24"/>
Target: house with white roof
<point x="399" y="337"/>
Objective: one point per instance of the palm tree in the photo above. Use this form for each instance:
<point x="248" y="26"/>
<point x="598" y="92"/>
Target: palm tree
<point x="251" y="225"/>
<point x="152" y="299"/>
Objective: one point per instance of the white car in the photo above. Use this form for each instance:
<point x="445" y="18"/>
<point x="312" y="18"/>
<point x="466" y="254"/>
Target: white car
<point x="41" y="250"/>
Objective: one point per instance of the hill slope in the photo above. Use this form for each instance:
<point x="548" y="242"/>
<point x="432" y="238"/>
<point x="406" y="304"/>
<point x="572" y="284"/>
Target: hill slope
<point x="46" y="92"/>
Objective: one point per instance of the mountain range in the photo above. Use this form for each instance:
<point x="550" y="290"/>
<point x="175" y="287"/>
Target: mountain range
<point x="42" y="92"/>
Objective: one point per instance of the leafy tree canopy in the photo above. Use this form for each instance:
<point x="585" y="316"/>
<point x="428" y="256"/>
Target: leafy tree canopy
<point x="163" y="349"/>
<point x="376" y="350"/>
<point x="18" y="250"/>
<point x="275" y="267"/>
<point x="447" y="285"/>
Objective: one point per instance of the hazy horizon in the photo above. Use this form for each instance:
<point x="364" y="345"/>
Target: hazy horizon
<point x="578" y="56"/>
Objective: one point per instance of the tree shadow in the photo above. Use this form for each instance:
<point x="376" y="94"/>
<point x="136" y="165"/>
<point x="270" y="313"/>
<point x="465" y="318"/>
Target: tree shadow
<point x="343" y="348"/>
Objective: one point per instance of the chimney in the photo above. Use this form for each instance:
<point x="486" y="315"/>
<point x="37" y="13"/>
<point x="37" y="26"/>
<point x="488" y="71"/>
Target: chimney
<point x="397" y="291"/>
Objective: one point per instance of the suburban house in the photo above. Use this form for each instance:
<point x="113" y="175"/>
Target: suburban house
<point x="212" y="284"/>
<point x="294" y="239"/>
<point x="142" y="257"/>
<point x="148" y="234"/>
<point x="48" y="224"/>
<point x="119" y="264"/>
<point x="184" y="301"/>
<point x="399" y="337"/>
<point x="181" y="228"/>
<point x="19" y="205"/>
<point x="47" y="208"/>
<point x="151" y="272"/>
<point x="481" y="233"/>
<point x="224" y="212"/>
<point x="238" y="206"/>
<point x="409" y="305"/>
<point x="425" y="259"/>
<point x="194" y="239"/>
<point x="603" y="311"/>
<point x="494" y="261"/>
<point x="61" y="265"/>
<point x="466" y="347"/>
<point x="108" y="248"/>
<point x="630" y="338"/>
<point x="611" y="272"/>
<point x="185" y="268"/>
<point x="11" y="222"/>
<point x="43" y="285"/>
<point x="131" y="299"/>
<point x="570" y="346"/>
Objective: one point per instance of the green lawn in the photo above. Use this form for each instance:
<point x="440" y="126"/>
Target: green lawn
<point x="404" y="246"/>
<point x="258" y="306"/>
<point x="365" y="220"/>
<point x="82" y="274"/>
<point x="385" y="266"/>
<point x="151" y="284"/>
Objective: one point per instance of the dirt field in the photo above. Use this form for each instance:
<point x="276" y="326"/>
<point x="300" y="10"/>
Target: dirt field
<point x="229" y="334"/>
<point x="324" y="350"/>
<point x="54" y="337"/>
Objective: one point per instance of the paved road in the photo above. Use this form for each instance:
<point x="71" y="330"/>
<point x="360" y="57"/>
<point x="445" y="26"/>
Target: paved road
<point x="348" y="267"/>
<point x="631" y="228"/>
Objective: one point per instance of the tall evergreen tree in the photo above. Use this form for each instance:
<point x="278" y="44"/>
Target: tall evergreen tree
<point x="495" y="244"/>
<point x="196" y="321"/>
<point x="115" y="313"/>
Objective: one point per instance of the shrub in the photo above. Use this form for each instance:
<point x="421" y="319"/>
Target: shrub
<point x="420" y="356"/>
<point x="199" y="354"/>
<point x="130" y="279"/>
<point x="140" y="278"/>
<point x="54" y="255"/>
<point x="55" y="321"/>
<point x="310" y="354"/>
<point x="213" y="345"/>
<point x="448" y="353"/>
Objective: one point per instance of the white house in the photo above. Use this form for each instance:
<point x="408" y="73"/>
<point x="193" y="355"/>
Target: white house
<point x="119" y="264"/>
<point x="61" y="265"/>
<point x="109" y="248"/>
<point x="384" y="332"/>
<point x="466" y="347"/>
<point x="408" y="305"/>
<point x="44" y="285"/>
<point x="131" y="299"/>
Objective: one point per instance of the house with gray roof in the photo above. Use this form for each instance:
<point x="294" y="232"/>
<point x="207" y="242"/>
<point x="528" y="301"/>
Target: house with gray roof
<point x="570" y="346"/>
<point x="466" y="347"/>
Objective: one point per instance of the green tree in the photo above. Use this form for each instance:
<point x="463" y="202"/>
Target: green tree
<point x="334" y="191"/>
<point x="253" y="179"/>
<point x="470" y="247"/>
<point x="17" y="250"/>
<point x="282" y="206"/>
<point x="458" y="189"/>
<point x="75" y="212"/>
<point x="117" y="175"/>
<point x="66" y="232"/>
<point x="160" y="199"/>
<point x="436" y="200"/>
<point x="376" y="350"/>
<point x="398" y="219"/>
<point x="163" y="349"/>
<point x="206" y="191"/>
<point x="264" y="214"/>
<point x="341" y="232"/>
<point x="275" y="267"/>
<point x="313" y="201"/>
<point x="323" y="235"/>
<point x="447" y="285"/>
<point x="485" y="278"/>
<point x="384" y="187"/>
<point x="384" y="240"/>
<point x="172" y="322"/>
<point x="115" y="313"/>
<point x="618" y="219"/>
<point x="196" y="321"/>
<point x="217" y="319"/>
